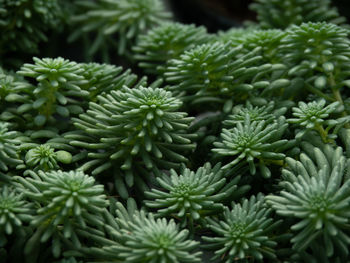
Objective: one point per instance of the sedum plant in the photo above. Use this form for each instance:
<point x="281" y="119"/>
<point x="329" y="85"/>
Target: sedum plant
<point x="252" y="141"/>
<point x="64" y="200"/>
<point x="137" y="236"/>
<point x="268" y="40"/>
<point x="58" y="90"/>
<point x="24" y="24"/>
<point x="314" y="191"/>
<point x="245" y="231"/>
<point x="131" y="128"/>
<point x="124" y="19"/>
<point x="167" y="41"/>
<point x="319" y="54"/>
<point x="14" y="210"/>
<point x="104" y="78"/>
<point x="8" y="147"/>
<point x="44" y="157"/>
<point x="209" y="74"/>
<point x="155" y="240"/>
<point x="187" y="146"/>
<point x="311" y="116"/>
<point x="282" y="14"/>
<point x="267" y="113"/>
<point x="192" y="196"/>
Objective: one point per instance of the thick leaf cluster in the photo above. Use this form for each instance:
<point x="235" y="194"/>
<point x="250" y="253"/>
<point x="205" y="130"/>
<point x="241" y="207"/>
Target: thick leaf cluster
<point x="98" y="164"/>
<point x="282" y="14"/>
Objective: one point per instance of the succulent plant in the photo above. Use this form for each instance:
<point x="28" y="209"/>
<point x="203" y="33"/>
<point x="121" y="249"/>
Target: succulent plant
<point x="192" y="196"/>
<point x="165" y="42"/>
<point x="282" y="14"/>
<point x="210" y="74"/>
<point x="251" y="140"/>
<point x="269" y="40"/>
<point x="58" y="89"/>
<point x="319" y="54"/>
<point x="44" y="157"/>
<point x="123" y="18"/>
<point x="104" y="78"/>
<point x="314" y="116"/>
<point x="14" y="210"/>
<point x="135" y="152"/>
<point x="140" y="237"/>
<point x="8" y="147"/>
<point x="314" y="191"/>
<point x="24" y="24"/>
<point x="234" y="35"/>
<point x="244" y="232"/>
<point x="157" y="240"/>
<point x="65" y="199"/>
<point x="266" y="113"/>
<point x="130" y="128"/>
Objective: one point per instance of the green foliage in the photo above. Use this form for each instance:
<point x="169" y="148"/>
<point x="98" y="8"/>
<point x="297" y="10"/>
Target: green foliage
<point x="319" y="54"/>
<point x="65" y="199"/>
<point x="284" y="13"/>
<point x="245" y="231"/>
<point x="142" y="238"/>
<point x="157" y="240"/>
<point x="211" y="73"/>
<point x="315" y="193"/>
<point x="166" y="42"/>
<point x="192" y="195"/>
<point x="313" y="115"/>
<point x="131" y="128"/>
<point x="254" y="140"/>
<point x="14" y="210"/>
<point x="8" y="147"/>
<point x="266" y="113"/>
<point x="268" y="40"/>
<point x="44" y="157"/>
<point x="259" y="110"/>
<point x="11" y="87"/>
<point x="104" y="78"/>
<point x="24" y="24"/>
<point x="123" y="18"/>
<point x="58" y="90"/>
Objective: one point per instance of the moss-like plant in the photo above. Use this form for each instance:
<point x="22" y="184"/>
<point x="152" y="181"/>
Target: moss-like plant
<point x="245" y="231"/>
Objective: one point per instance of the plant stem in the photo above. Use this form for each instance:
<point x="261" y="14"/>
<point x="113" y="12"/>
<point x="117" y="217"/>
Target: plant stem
<point x="322" y="132"/>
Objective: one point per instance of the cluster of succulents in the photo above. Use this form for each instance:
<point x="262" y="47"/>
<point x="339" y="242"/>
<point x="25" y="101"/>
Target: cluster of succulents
<point x="212" y="147"/>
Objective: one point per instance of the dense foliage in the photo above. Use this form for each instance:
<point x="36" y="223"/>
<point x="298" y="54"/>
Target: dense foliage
<point x="211" y="147"/>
